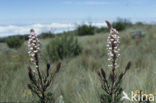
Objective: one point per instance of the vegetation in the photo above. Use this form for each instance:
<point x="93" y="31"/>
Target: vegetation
<point x="121" y="24"/>
<point x="2" y="40"/>
<point x="101" y="29"/>
<point x="112" y="86"/>
<point x="85" y="30"/>
<point x="137" y="34"/>
<point x="40" y="81"/>
<point x="14" y="42"/>
<point x="63" y="47"/>
<point x="81" y="30"/>
<point x="77" y="80"/>
<point x="45" y="35"/>
<point x="23" y="37"/>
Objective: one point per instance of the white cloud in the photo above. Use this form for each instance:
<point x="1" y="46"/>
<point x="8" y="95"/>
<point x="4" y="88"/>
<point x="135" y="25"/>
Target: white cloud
<point x="99" y="24"/>
<point x="54" y="27"/>
<point x="15" y="29"/>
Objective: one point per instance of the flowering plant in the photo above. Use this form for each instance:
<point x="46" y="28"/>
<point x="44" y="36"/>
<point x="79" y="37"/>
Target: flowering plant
<point x="39" y="81"/>
<point x="112" y="88"/>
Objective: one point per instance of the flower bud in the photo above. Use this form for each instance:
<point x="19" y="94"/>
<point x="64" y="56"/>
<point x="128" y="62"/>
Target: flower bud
<point x="58" y="66"/>
<point x="128" y="66"/>
<point x="120" y="76"/>
<point x="112" y="77"/>
<point x="31" y="76"/>
<point x="103" y="73"/>
<point x="48" y="67"/>
<point x="99" y="74"/>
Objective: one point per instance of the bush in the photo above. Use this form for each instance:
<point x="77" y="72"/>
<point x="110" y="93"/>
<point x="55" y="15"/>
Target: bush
<point x="23" y="37"/>
<point x="46" y="35"/>
<point x="2" y="40"/>
<point x="85" y="30"/>
<point x="121" y="24"/>
<point x="71" y="32"/>
<point x="102" y="29"/>
<point x="63" y="46"/>
<point x="14" y="42"/>
<point x="139" y="23"/>
<point x="137" y="34"/>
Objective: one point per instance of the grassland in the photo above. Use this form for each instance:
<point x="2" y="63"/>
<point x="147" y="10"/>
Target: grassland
<point x="77" y="80"/>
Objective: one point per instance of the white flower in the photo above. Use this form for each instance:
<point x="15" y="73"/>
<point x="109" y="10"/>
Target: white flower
<point x="33" y="45"/>
<point x="33" y="71"/>
<point x="113" y="42"/>
<point x="109" y="59"/>
<point x="32" y="59"/>
<point x="35" y="51"/>
<point x="32" y="55"/>
<point x="109" y="65"/>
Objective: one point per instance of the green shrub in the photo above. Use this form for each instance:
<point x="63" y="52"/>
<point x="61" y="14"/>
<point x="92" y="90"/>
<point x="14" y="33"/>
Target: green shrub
<point x="71" y="32"/>
<point x="85" y="30"/>
<point x="23" y="37"/>
<point x="121" y="24"/>
<point x="101" y="29"/>
<point x="14" y="42"/>
<point x="46" y="35"/>
<point x="139" y="23"/>
<point x="2" y="40"/>
<point x="63" y="46"/>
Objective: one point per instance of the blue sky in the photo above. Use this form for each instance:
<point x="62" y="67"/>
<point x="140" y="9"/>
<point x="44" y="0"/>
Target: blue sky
<point x="19" y="10"/>
<point x="24" y="12"/>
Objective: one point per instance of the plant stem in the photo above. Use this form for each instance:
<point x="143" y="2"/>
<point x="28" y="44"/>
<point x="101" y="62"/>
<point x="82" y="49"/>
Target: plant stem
<point x="39" y="74"/>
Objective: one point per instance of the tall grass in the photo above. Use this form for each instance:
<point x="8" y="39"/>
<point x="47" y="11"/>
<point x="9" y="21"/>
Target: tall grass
<point x="78" y="81"/>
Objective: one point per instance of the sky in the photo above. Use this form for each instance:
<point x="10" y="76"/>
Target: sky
<point x="18" y="16"/>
